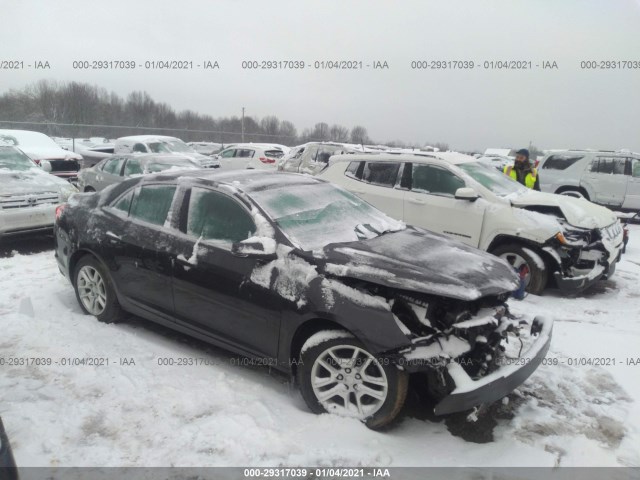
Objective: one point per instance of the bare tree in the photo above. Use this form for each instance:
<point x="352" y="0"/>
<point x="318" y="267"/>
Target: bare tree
<point x="359" y="135"/>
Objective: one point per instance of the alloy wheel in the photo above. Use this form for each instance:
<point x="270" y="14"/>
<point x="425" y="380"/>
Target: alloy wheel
<point x="517" y="262"/>
<point x="349" y="381"/>
<point x="92" y="290"/>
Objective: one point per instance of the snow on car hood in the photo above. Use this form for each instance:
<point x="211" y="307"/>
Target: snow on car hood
<point x="421" y="261"/>
<point x="578" y="211"/>
<point x="29" y="181"/>
<point x="49" y="153"/>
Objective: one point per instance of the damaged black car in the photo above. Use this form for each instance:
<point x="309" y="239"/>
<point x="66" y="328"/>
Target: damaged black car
<point x="308" y="278"/>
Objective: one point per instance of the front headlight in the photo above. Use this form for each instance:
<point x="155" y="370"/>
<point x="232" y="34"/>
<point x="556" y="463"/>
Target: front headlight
<point x="573" y="236"/>
<point x="67" y="191"/>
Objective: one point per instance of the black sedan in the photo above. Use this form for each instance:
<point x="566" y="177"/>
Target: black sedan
<point x="306" y="277"/>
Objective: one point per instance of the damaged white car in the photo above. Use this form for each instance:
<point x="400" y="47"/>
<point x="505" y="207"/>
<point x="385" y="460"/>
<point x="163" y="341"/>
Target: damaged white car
<point x="547" y="238"/>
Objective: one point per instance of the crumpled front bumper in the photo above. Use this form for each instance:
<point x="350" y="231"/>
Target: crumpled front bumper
<point x="469" y="393"/>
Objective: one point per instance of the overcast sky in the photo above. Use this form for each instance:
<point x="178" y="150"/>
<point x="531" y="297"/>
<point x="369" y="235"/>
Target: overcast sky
<point x="568" y="107"/>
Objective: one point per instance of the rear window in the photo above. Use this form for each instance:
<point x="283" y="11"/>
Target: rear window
<point x="560" y="162"/>
<point x="381" y="173"/>
<point x="274" y="153"/>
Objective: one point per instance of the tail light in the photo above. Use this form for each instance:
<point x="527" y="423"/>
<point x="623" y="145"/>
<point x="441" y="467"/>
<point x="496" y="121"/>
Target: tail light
<point x="59" y="210"/>
<point x="267" y="160"/>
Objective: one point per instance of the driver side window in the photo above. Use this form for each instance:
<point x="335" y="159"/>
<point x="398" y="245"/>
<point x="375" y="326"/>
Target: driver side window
<point x="435" y="180"/>
<point x="228" y="153"/>
<point x="215" y="216"/>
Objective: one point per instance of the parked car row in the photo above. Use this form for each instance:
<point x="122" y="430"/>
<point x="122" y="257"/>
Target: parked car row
<point x="351" y="280"/>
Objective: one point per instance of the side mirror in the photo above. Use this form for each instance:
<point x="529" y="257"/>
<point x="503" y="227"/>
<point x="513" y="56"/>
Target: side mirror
<point x="466" y="193"/>
<point x="46" y="166"/>
<point x="255" y="247"/>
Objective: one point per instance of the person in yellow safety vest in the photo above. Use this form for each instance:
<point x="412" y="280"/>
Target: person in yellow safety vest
<point x="522" y="171"/>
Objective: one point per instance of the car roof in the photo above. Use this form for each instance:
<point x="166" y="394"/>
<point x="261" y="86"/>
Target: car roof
<point x="146" y="138"/>
<point x="247" y="181"/>
<point x="263" y="146"/>
<point x="453" y="158"/>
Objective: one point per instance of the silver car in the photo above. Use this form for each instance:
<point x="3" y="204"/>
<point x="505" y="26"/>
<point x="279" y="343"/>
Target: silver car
<point x="28" y="194"/>
<point x="120" y="167"/>
<point x="604" y="177"/>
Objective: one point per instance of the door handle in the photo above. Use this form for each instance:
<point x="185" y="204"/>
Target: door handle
<point x="113" y="238"/>
<point x="417" y="201"/>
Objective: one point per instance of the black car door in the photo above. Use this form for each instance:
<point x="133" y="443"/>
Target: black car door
<point x="212" y="288"/>
<point x="139" y="247"/>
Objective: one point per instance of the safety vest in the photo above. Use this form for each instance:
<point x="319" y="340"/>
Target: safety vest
<point x="529" y="180"/>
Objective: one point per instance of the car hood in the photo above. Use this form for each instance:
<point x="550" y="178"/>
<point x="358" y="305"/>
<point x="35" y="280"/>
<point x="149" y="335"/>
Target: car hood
<point x="578" y="212"/>
<point x="49" y="153"/>
<point x="14" y="182"/>
<point x="418" y="260"/>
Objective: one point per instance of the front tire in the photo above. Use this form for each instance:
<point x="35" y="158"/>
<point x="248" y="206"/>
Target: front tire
<point x="95" y="292"/>
<point x="339" y="375"/>
<point x="519" y="256"/>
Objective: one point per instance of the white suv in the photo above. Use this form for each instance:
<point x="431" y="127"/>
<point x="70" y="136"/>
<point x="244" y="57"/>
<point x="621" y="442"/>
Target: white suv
<point x="608" y="178"/>
<point x="543" y="236"/>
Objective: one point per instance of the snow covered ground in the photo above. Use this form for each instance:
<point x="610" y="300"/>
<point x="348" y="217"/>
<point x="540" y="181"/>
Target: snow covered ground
<point x="216" y="413"/>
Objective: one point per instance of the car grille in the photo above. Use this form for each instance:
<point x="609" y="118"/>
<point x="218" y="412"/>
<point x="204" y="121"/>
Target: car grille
<point x="612" y="232"/>
<point x="64" y="166"/>
<point x="26" y="201"/>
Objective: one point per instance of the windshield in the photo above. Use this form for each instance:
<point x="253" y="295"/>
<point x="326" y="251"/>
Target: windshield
<point x="179" y="146"/>
<point x="158" y="147"/>
<point x="316" y="215"/>
<point x="12" y="159"/>
<point x="160" y="166"/>
<point x="492" y="179"/>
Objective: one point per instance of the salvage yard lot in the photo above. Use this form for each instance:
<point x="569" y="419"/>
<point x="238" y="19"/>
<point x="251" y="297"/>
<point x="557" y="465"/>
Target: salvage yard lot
<point x="581" y="408"/>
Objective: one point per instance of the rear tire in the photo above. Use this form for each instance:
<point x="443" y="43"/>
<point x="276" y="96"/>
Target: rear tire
<point x="517" y="255"/>
<point x="95" y="292"/>
<point x="364" y="387"/>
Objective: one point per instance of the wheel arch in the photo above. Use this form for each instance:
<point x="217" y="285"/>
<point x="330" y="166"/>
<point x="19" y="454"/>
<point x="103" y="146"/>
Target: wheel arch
<point x="80" y="253"/>
<point x="579" y="188"/>
<point x="304" y="331"/>
<point x="550" y="262"/>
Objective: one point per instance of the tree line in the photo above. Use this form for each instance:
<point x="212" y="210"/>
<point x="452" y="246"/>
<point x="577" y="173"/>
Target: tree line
<point x="88" y="110"/>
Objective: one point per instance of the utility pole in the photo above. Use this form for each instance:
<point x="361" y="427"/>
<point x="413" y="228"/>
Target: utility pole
<point x="242" y="124"/>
